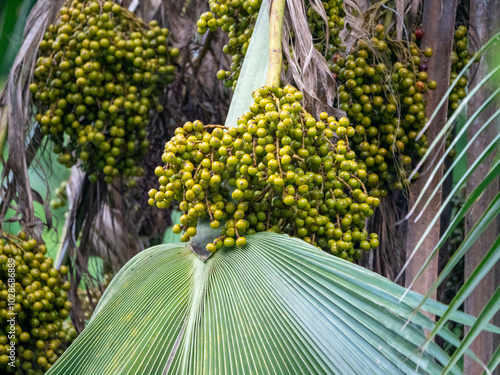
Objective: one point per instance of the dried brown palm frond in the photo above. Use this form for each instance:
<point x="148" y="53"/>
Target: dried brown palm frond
<point x="355" y="13"/>
<point x="95" y="227"/>
<point x="23" y="138"/>
<point x="414" y="13"/>
<point x="388" y="259"/>
<point x="407" y="15"/>
<point x="196" y="93"/>
<point x="307" y="67"/>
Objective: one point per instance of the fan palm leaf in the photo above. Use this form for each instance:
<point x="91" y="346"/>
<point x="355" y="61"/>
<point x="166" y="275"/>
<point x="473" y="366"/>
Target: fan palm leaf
<point x="277" y="305"/>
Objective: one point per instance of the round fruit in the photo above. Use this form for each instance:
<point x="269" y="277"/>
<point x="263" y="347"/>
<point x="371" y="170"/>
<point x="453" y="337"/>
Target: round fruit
<point x="386" y="106"/>
<point x="278" y="170"/>
<point x="34" y="305"/>
<point x="97" y="81"/>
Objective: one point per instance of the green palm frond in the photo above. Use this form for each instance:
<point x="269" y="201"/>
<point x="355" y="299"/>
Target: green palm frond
<point x="278" y="305"/>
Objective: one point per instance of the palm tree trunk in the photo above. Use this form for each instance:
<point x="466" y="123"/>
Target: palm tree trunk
<point x="438" y="25"/>
<point x="483" y="22"/>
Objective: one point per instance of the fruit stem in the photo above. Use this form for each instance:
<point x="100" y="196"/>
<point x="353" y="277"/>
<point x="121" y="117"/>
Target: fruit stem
<point x="387" y="21"/>
<point x="275" y="52"/>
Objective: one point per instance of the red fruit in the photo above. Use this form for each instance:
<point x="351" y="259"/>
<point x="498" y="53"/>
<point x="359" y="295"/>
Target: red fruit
<point x="420" y="86"/>
<point x="379" y="28"/>
<point x="335" y="76"/>
<point x="422" y="67"/>
<point x="336" y="58"/>
<point x="419" y="33"/>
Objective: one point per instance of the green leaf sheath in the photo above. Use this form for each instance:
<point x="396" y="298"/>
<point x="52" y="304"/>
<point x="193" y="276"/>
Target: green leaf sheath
<point x="254" y="70"/>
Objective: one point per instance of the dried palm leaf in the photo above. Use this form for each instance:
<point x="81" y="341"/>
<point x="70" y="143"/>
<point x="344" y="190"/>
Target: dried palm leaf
<point x="308" y="68"/>
<point x="15" y="105"/>
<point x="390" y="256"/>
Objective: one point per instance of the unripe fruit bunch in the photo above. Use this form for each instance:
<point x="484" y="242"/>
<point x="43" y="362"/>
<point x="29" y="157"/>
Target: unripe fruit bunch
<point x="278" y="170"/>
<point x="97" y="82"/>
<point x="237" y="18"/>
<point x="384" y="98"/>
<point x="61" y="197"/>
<point x="34" y="306"/>
<point x="334" y="23"/>
<point x="460" y="57"/>
<point x="90" y="296"/>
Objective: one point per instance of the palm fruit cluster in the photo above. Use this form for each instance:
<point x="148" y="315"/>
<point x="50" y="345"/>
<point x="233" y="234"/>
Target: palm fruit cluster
<point x="460" y="57"/>
<point x="61" y="197"/>
<point x="89" y="297"/>
<point x="34" y="307"/>
<point x="384" y="97"/>
<point x="97" y="82"/>
<point x="237" y="19"/>
<point x="277" y="170"/>
<point x="317" y="25"/>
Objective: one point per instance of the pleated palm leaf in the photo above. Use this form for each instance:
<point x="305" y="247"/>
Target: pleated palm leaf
<point x="278" y="305"/>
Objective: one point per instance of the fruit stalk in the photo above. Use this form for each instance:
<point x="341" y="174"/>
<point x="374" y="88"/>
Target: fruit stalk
<point x="275" y="52"/>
